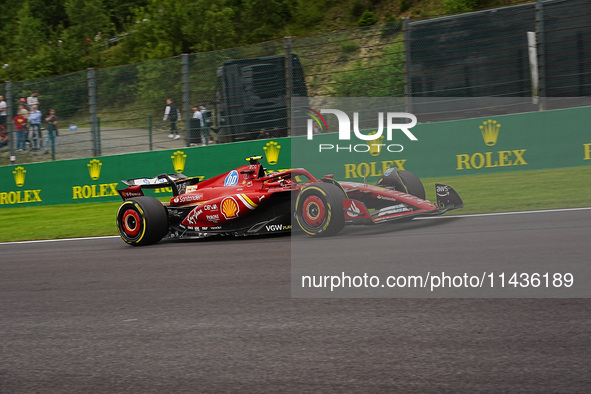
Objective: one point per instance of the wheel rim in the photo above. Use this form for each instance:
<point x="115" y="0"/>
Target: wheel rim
<point x="313" y="211"/>
<point x="131" y="223"/>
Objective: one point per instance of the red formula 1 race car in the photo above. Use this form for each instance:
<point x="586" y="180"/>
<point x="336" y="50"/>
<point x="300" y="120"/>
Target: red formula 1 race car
<point x="247" y="201"/>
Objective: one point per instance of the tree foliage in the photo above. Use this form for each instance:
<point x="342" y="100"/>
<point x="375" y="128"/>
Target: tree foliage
<point x="41" y="38"/>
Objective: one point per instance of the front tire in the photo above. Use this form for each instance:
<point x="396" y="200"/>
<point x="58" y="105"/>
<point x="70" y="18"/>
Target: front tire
<point x="142" y="221"/>
<point x="319" y="209"/>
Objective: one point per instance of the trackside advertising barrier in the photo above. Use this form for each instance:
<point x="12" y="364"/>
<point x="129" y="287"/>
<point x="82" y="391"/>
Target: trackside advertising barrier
<point x="529" y="141"/>
<point x="97" y="179"/>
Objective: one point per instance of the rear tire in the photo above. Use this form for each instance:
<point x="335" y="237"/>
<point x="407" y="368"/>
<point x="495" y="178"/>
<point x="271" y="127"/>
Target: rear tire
<point x="142" y="221"/>
<point x="319" y="209"/>
<point x="403" y="181"/>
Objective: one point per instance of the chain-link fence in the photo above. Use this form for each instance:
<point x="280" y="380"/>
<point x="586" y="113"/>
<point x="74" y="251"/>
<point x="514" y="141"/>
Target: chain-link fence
<point x="247" y="90"/>
<point x="490" y="54"/>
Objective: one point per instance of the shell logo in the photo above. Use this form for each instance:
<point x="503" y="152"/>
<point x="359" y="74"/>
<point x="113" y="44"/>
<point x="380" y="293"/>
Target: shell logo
<point x="229" y="208"/>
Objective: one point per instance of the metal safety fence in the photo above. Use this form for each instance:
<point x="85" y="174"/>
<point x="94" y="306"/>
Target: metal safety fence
<point x="246" y="92"/>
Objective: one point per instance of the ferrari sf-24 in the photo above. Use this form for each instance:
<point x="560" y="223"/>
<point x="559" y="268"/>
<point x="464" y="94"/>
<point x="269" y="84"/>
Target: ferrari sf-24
<point x="249" y="201"/>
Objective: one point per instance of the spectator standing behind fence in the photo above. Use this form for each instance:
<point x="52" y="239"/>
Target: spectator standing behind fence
<point x="2" y="114"/>
<point x="35" y="125"/>
<point x="172" y="114"/>
<point x="20" y="126"/>
<point x="24" y="112"/>
<point x="3" y="129"/>
<point x="32" y="100"/>
<point x="204" y="123"/>
<point x="195" y="126"/>
<point x="3" y="138"/>
<point x="52" y="132"/>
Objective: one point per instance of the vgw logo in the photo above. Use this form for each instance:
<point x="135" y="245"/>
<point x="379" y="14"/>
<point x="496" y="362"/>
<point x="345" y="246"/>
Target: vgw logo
<point x="317" y="123"/>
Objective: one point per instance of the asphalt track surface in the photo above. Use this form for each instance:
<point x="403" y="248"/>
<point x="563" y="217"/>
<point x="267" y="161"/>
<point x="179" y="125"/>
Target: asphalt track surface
<point x="98" y="316"/>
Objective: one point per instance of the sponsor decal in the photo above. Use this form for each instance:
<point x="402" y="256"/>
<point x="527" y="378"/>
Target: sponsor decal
<point x="353" y="210"/>
<point x="19" y="176"/>
<point x="362" y="170"/>
<point x="503" y="158"/>
<point x="187" y="198"/>
<point x="394" y="209"/>
<point x="490" y="132"/>
<point x="213" y="218"/>
<point x="210" y="207"/>
<point x="229" y="208"/>
<point x="94" y="191"/>
<point x="94" y="169"/>
<point x="125" y="194"/>
<point x="194" y="215"/>
<point x="278" y="227"/>
<point x="381" y="197"/>
<point x="20" y="196"/>
<point x="375" y="147"/>
<point x="148" y="181"/>
<point x="586" y="151"/>
<point x="272" y="152"/>
<point x="178" y="160"/>
<point x="231" y="178"/>
<point x="442" y="191"/>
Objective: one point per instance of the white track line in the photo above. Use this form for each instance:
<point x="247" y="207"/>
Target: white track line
<point x="419" y="218"/>
<point x="505" y="213"/>
<point x="58" y="240"/>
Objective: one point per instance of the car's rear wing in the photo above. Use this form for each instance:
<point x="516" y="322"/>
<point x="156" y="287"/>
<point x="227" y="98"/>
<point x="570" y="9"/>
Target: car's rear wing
<point x="177" y="182"/>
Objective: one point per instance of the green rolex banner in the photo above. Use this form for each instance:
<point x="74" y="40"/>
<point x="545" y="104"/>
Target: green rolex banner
<point x="528" y="141"/>
<point x="97" y="179"/>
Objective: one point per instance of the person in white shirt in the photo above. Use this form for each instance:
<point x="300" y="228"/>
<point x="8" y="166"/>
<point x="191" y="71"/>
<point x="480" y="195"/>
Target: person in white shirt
<point x="32" y="100"/>
<point x="172" y="113"/>
<point x="2" y="114"/>
<point x="35" y="128"/>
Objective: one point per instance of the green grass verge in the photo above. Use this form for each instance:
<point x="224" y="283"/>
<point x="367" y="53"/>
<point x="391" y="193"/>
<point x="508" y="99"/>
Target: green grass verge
<point x="514" y="191"/>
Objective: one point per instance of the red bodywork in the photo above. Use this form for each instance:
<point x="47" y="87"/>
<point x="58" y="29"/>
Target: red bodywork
<point x="239" y="193"/>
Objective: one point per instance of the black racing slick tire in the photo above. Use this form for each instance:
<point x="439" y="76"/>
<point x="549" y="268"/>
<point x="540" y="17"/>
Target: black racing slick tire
<point x="403" y="181"/>
<point x="142" y="221"/>
<point x="319" y="209"/>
